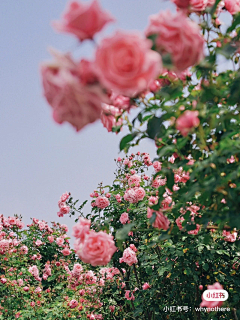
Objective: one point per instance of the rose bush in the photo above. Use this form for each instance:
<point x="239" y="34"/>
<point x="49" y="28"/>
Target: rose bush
<point x="169" y="260"/>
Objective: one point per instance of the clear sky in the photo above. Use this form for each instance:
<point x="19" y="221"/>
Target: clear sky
<point x="39" y="160"/>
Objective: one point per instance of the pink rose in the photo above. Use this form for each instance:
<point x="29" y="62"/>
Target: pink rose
<point x="124" y="218"/>
<point x="179" y="222"/>
<point x="211" y="3"/>
<point x="232" y="6"/>
<point x="97" y="248"/>
<point x="230" y="237"/>
<point x="50" y="239"/>
<point x="71" y="100"/>
<point x="212" y="304"/>
<point x="102" y="202"/>
<point x="134" y="181"/>
<point x="109" y="117"/>
<point x="87" y="72"/>
<point x="181" y="4"/>
<point x="157" y="166"/>
<point x="24" y="250"/>
<point x="140" y="193"/>
<point x="121" y="102"/>
<point x="146" y="286"/>
<point x="112" y="308"/>
<point x="60" y="241"/>
<point x="83" y="19"/>
<point x="132" y="246"/>
<point x="64" y="196"/>
<point x="161" y="221"/>
<point x="130" y="195"/>
<point x="129" y="257"/>
<point x="127" y="295"/>
<point x="38" y="243"/>
<point x="41" y="225"/>
<point x="66" y="251"/>
<point x="187" y="121"/>
<point x="195" y="231"/>
<point x="81" y="229"/>
<point x="178" y="36"/>
<point x="12" y="220"/>
<point x="73" y="303"/>
<point x="157" y="182"/>
<point x="126" y="64"/>
<point x="198" y="5"/>
<point x="77" y="269"/>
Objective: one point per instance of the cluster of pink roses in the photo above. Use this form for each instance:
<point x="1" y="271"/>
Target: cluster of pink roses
<point x="92" y="247"/>
<point x="133" y="195"/>
<point x="64" y="209"/>
<point x="124" y="66"/>
<point x="198" y="6"/>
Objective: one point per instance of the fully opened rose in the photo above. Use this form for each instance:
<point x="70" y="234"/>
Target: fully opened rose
<point x="71" y="100"/>
<point x="83" y="20"/>
<point x="178" y="36"/>
<point x="97" y="248"/>
<point x="126" y="64"/>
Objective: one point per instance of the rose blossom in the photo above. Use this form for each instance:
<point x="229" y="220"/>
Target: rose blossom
<point x="66" y="251"/>
<point x="130" y="195"/>
<point x="38" y="290"/>
<point x="38" y="243"/>
<point x="232" y="6"/>
<point x="212" y="304"/>
<point x="73" y="304"/>
<point x="102" y="202"/>
<point x="186" y="121"/>
<point x="77" y="269"/>
<point x="108" y="117"/>
<point x="140" y="193"/>
<point x="71" y="101"/>
<point x="134" y="180"/>
<point x="60" y="241"/>
<point x="50" y="239"/>
<point x="178" y="36"/>
<point x="112" y="308"/>
<point x="81" y="229"/>
<point x="83" y="19"/>
<point x="198" y="5"/>
<point x="161" y="221"/>
<point x="127" y="293"/>
<point x="182" y="4"/>
<point x="129" y="257"/>
<point x="195" y="231"/>
<point x="126" y="64"/>
<point x="97" y="248"/>
<point x="157" y="166"/>
<point x="146" y="286"/>
<point x="24" y="250"/>
<point x="179" y="222"/>
<point x="124" y="218"/>
<point x="230" y="237"/>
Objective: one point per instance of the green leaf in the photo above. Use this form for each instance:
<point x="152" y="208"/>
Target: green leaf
<point x="122" y="234"/>
<point x="128" y="138"/>
<point x="153" y="218"/>
<point x="153" y="127"/>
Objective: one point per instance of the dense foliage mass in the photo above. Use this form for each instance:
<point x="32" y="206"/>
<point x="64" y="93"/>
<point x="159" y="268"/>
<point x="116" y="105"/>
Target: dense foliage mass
<point x="168" y="259"/>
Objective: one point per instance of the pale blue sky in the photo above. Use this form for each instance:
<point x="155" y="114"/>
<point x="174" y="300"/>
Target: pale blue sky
<point x="39" y="160"/>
